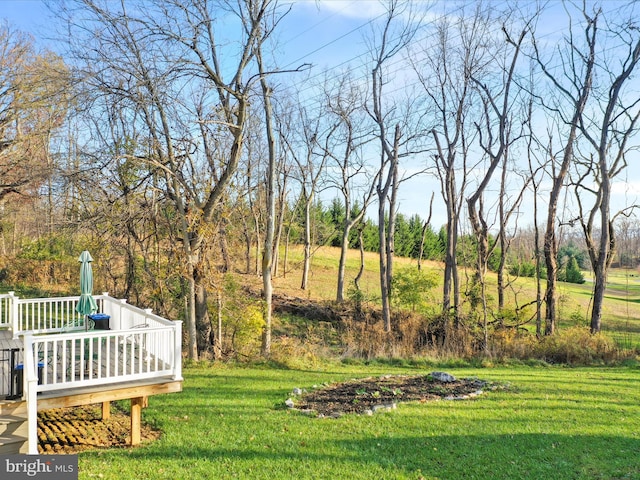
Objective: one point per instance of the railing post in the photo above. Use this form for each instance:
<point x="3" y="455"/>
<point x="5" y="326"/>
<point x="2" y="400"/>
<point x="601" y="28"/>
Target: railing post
<point x="177" y="355"/>
<point x="31" y="394"/>
<point x="107" y="308"/>
<point x="15" y="320"/>
<point x="123" y="301"/>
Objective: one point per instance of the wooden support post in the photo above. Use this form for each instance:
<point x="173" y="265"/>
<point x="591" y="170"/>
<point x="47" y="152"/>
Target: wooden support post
<point x="136" y="416"/>
<point x="106" y="410"/>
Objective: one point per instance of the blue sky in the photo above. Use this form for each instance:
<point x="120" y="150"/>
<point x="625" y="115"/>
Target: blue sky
<point x="26" y="15"/>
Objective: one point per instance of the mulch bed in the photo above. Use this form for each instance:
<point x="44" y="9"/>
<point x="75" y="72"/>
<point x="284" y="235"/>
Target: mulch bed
<point x="368" y="395"/>
<point x="72" y="430"/>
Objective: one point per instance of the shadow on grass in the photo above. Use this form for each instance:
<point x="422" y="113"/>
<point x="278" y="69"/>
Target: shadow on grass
<point x="623" y="299"/>
<point x="518" y="456"/>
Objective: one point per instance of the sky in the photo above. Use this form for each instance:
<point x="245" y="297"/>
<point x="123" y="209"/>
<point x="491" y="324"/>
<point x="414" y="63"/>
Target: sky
<point x="332" y="34"/>
<point x="26" y="15"/>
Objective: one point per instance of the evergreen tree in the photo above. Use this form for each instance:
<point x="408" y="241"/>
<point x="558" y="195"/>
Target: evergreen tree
<point x="573" y="273"/>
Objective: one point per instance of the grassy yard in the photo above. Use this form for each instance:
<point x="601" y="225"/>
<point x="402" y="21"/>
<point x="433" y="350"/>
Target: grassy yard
<point x="229" y="422"/>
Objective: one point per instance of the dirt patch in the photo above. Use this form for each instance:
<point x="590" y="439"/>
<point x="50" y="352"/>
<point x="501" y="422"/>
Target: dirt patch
<point x="72" y="430"/>
<point x="368" y="395"/>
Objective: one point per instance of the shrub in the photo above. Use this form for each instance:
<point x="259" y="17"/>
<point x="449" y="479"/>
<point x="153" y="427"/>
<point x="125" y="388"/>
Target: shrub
<point x="523" y="269"/>
<point x="511" y="343"/>
<point x="527" y="269"/>
<point x="365" y="339"/>
<point x="292" y="352"/>
<point x="411" y="287"/>
<point x="577" y="346"/>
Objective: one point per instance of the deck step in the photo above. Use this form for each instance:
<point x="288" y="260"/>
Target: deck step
<point x="16" y="408"/>
<point x="13" y="445"/>
<point x="13" y="427"/>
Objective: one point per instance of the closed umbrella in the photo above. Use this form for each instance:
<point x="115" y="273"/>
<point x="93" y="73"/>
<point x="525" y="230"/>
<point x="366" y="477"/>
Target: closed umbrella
<point x="87" y="304"/>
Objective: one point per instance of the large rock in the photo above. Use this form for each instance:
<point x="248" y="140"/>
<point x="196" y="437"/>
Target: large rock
<point x="443" y="377"/>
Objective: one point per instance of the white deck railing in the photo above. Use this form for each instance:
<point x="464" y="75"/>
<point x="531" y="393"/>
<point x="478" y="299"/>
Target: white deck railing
<point x="48" y="315"/>
<point x="139" y="344"/>
<point x="102" y="357"/>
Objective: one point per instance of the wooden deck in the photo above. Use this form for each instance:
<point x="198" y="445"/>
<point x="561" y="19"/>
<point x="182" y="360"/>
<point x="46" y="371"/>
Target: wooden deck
<point x="136" y="391"/>
<point x="57" y="362"/>
<point x="7" y="342"/>
<point x="91" y="395"/>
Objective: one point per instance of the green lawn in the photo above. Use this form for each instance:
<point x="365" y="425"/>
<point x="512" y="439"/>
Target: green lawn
<point x="229" y="422"/>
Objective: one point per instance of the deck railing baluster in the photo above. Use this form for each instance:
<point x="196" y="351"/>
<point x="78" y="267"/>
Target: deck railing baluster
<point x="54" y="362"/>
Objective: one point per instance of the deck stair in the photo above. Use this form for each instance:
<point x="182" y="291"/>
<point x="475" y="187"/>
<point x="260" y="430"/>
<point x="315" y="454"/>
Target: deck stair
<point x="13" y="427"/>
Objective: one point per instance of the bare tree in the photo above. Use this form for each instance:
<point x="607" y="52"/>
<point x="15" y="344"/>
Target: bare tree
<point x="604" y="157"/>
<point x="344" y="107"/>
<point x="496" y="136"/>
<point x="389" y="122"/>
<point x="600" y="117"/>
<point x="267" y="253"/>
<point x="457" y="56"/>
<point x="170" y="64"/>
<point x="578" y="69"/>
<point x="308" y="144"/>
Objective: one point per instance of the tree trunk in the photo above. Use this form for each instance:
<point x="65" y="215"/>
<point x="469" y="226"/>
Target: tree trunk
<point x="192" y="350"/>
<point x="267" y="257"/>
<point x="425" y="226"/>
<point x="217" y="342"/>
<point x="357" y="278"/>
<point x="344" y="247"/>
<point x="306" y="263"/>
<point x="382" y="255"/>
<point x="203" y="321"/>
<point x="583" y="86"/>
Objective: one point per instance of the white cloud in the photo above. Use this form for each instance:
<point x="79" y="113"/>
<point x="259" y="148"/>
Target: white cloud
<point x="353" y="9"/>
<point x="630" y="188"/>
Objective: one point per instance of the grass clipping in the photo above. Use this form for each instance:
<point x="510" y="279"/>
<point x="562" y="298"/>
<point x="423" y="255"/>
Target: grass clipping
<point x="370" y="395"/>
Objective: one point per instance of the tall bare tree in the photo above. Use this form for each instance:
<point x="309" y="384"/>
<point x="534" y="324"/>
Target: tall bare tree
<point x="307" y="138"/>
<point x="393" y="37"/>
<point x="170" y="61"/>
<point x="344" y="104"/>
<point x="446" y="75"/>
<point x="577" y="65"/>
<point x="608" y="139"/>
<point x="497" y="132"/>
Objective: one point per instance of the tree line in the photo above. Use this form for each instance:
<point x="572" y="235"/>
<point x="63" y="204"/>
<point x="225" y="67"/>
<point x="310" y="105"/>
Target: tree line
<point x="169" y="137"/>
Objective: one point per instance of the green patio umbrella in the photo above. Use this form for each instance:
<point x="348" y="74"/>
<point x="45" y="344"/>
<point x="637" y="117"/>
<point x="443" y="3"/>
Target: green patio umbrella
<point x="86" y="305"/>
